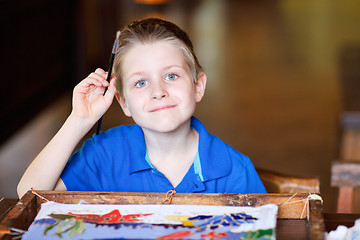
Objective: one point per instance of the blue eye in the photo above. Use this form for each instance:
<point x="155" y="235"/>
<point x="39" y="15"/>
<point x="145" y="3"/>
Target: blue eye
<point x="141" y="83"/>
<point x="171" y="77"/>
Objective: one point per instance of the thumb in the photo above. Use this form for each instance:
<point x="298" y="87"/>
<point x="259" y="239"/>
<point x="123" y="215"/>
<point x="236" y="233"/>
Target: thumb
<point x="110" y="93"/>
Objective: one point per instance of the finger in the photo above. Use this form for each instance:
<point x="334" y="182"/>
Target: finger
<point x="94" y="81"/>
<point x="107" y="76"/>
<point x="113" y="77"/>
<point x="101" y="77"/>
<point x="112" y="84"/>
<point x="100" y="71"/>
<point x="101" y="82"/>
<point x="91" y="85"/>
<point x="110" y="93"/>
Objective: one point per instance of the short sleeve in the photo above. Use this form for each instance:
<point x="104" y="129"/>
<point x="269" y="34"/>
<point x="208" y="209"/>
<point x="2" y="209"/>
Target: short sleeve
<point x="82" y="170"/>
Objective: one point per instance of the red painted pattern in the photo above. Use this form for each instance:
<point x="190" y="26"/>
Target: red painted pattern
<point x="213" y="235"/>
<point x="176" y="235"/>
<point x="111" y="217"/>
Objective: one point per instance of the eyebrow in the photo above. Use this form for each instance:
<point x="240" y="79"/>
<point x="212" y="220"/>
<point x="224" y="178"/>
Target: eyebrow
<point x="164" y="68"/>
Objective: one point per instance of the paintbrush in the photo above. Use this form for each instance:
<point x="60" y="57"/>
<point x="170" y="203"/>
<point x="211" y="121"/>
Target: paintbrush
<point x="109" y="74"/>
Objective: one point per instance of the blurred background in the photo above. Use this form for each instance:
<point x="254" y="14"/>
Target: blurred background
<point x="280" y="73"/>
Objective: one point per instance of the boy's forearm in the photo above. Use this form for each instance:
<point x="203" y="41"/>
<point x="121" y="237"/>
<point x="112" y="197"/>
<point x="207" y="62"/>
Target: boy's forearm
<point x="45" y="170"/>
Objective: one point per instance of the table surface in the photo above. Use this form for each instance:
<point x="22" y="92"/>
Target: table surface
<point x="6" y="205"/>
<point x="285" y="229"/>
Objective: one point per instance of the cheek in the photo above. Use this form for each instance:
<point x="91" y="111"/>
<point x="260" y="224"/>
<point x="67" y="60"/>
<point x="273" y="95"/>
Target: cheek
<point x="134" y="101"/>
<point x="191" y="98"/>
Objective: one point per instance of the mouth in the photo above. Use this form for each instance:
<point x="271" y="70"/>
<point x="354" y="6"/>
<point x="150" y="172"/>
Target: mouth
<point x="157" y="109"/>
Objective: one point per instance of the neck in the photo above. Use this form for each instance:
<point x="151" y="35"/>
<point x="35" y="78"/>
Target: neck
<point x="166" y="146"/>
<point x="172" y="153"/>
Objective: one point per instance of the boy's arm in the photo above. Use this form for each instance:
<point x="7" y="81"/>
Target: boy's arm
<point x="89" y="104"/>
<point x="60" y="185"/>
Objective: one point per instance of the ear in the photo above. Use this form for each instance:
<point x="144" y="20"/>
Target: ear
<point x="200" y="86"/>
<point x="122" y="101"/>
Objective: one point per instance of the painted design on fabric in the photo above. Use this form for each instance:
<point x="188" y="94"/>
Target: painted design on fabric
<point x="152" y="222"/>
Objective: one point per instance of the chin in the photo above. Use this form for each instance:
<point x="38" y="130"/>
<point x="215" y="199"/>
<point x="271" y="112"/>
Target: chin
<point x="167" y="125"/>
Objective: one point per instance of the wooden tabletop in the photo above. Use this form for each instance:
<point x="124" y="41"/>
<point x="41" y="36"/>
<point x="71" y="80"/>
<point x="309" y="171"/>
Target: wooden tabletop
<point x="286" y="229"/>
<point x="6" y="205"/>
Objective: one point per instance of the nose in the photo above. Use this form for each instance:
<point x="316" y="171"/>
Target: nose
<point x="159" y="90"/>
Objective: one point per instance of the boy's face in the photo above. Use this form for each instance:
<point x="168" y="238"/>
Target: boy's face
<point x="159" y="92"/>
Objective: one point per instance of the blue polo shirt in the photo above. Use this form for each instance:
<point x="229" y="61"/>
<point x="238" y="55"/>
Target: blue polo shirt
<point x="116" y="160"/>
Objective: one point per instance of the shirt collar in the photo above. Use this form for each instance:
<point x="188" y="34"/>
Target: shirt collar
<point x="137" y="150"/>
<point x="215" y="161"/>
<point x="214" y="156"/>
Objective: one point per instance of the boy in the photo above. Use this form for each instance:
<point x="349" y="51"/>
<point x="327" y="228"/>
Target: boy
<point x="158" y="83"/>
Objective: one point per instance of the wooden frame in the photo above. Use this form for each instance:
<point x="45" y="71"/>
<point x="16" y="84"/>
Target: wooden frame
<point x="291" y="206"/>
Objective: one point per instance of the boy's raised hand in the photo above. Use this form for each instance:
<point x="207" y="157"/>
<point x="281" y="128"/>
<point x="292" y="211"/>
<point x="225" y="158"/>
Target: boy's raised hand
<point x="89" y="101"/>
<point x="89" y="104"/>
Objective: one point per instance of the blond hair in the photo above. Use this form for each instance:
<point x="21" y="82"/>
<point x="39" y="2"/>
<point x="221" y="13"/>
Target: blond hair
<point x="152" y="30"/>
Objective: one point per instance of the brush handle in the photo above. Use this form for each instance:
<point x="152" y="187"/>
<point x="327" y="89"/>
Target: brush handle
<point x="111" y="63"/>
